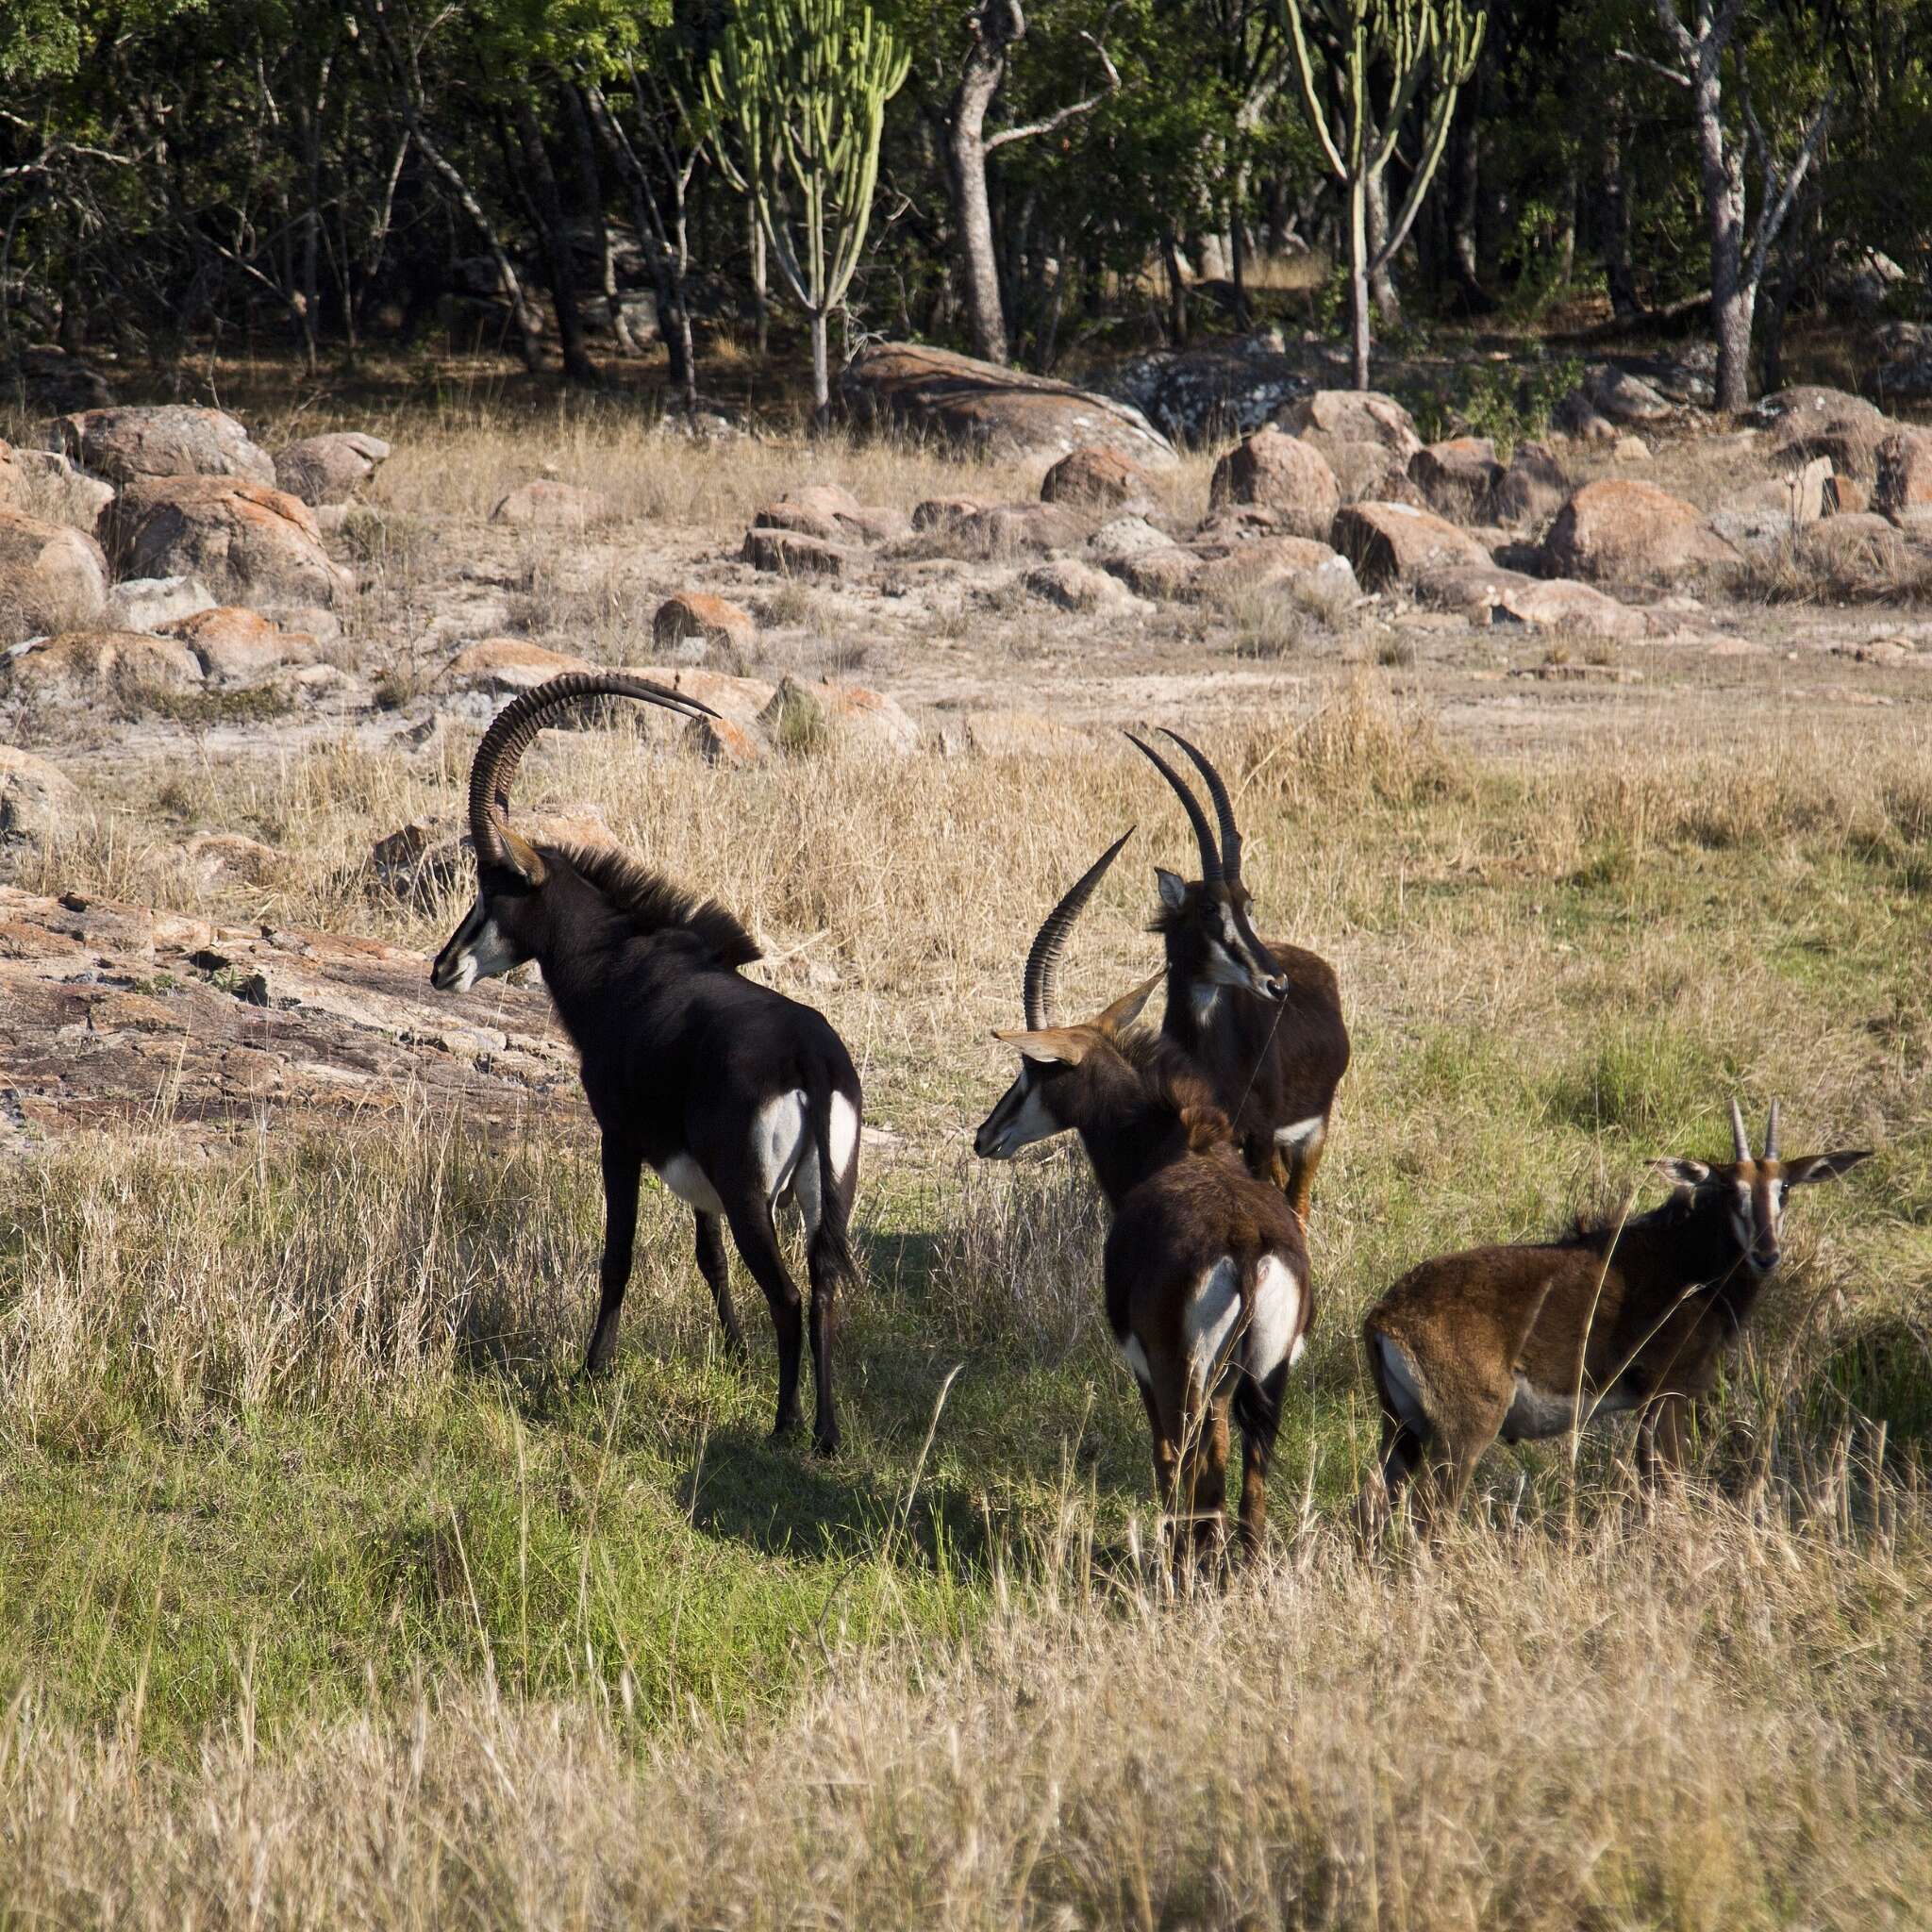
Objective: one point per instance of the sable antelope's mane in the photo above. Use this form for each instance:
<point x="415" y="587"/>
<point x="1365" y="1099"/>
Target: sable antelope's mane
<point x="653" y="904"/>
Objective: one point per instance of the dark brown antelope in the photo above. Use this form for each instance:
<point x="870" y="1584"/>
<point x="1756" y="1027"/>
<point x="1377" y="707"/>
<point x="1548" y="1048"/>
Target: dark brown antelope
<point x="1540" y="1340"/>
<point x="1206" y="1271"/>
<point x="740" y="1100"/>
<point x="1261" y="1018"/>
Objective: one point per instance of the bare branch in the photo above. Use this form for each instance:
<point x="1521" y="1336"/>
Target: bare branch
<point x="1676" y="77"/>
<point x="1067" y="113"/>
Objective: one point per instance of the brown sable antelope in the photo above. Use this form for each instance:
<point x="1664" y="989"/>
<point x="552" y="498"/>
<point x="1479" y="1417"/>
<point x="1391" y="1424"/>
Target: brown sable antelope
<point x="1535" y="1340"/>
<point x="740" y="1100"/>
<point x="1261" y="1018"/>
<point x="1206" y="1270"/>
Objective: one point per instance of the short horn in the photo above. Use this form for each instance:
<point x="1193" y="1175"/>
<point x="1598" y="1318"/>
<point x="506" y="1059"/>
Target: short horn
<point x="1770" y="1134"/>
<point x="1043" y="960"/>
<point x="1224" y="805"/>
<point x="512" y="729"/>
<point x="1211" y="872"/>
<point x="1740" y="1146"/>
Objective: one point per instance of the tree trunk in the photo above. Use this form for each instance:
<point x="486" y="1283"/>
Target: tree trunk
<point x="590" y="186"/>
<point x="821" y="374"/>
<point x="994" y="28"/>
<point x="553" y="235"/>
<point x="760" y="295"/>
<point x="1613" y="220"/>
<point x="1358" y="278"/>
<point x="1382" y="282"/>
<point x="1723" y="207"/>
<point x="1176" y="291"/>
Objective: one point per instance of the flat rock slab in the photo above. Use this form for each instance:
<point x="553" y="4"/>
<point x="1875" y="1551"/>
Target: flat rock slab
<point x="114" y="1008"/>
<point x="795" y="554"/>
<point x="986" y="409"/>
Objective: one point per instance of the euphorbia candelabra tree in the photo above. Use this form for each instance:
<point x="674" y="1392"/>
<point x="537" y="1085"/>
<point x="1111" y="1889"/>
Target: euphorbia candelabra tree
<point x="797" y="94"/>
<point x="1405" y="45"/>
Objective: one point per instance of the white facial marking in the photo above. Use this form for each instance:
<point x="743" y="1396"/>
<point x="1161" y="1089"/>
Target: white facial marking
<point x="1276" y="1317"/>
<point x="1210" y="1322"/>
<point x="1030" y="1122"/>
<point x="689" y="1182"/>
<point x="779" y="1142"/>
<point x="842" y="1129"/>
<point x="1300" y="1133"/>
<point x="481" y="952"/>
<point x="1137" y="1361"/>
<point x="1204" y="997"/>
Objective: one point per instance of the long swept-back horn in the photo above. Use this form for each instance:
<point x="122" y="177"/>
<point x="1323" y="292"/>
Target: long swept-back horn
<point x="1770" y="1134"/>
<point x="1043" y="960"/>
<point x="1738" y="1142"/>
<point x="519" y="722"/>
<point x="1224" y="805"/>
<point x="1212" y="871"/>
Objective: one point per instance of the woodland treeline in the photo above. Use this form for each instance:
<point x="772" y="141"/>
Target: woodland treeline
<point x="583" y="180"/>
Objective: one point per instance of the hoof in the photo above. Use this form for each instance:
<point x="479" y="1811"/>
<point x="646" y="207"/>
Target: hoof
<point x="825" y="1446"/>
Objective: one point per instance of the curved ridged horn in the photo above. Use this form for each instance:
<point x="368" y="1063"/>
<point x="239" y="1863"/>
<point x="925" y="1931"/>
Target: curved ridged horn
<point x="1738" y="1142"/>
<point x="1224" y="805"/>
<point x="1043" y="960"/>
<point x="519" y="722"/>
<point x="1211" y="872"/>
<point x="1770" y="1134"/>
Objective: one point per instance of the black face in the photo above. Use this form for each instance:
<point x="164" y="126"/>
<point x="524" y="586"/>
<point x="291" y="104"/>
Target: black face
<point x="1024" y="1113"/>
<point x="1214" y="924"/>
<point x="490" y="941"/>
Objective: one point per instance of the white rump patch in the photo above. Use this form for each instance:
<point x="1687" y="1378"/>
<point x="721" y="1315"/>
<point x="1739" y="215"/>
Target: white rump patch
<point x="1137" y="1361"/>
<point x="779" y="1142"/>
<point x="843" y="1131"/>
<point x="690" y="1183"/>
<point x="1276" y="1317"/>
<point x="1211" y="1315"/>
<point x="1299" y="1133"/>
<point x="1405" y="1389"/>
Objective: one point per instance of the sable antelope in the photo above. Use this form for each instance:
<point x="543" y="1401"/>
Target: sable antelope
<point x="740" y="1100"/>
<point x="1206" y="1272"/>
<point x="1261" y="1018"/>
<point x="1538" y="1340"/>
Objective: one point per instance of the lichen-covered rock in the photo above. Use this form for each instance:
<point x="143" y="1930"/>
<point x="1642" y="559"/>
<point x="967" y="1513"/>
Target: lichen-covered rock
<point x="131" y="443"/>
<point x="1903" y="480"/>
<point x="1291" y="476"/>
<point x="1096" y="479"/>
<point x="252" y="542"/>
<point x="696" y="616"/>
<point x="50" y="576"/>
<point x="1457" y="475"/>
<point x="329" y="469"/>
<point x="237" y="646"/>
<point x="794" y="554"/>
<point x="154" y="603"/>
<point x="1392" y="542"/>
<point x="37" y="800"/>
<point x="1619" y="530"/>
<point x="87" y="666"/>
<point x="1213" y="390"/>
<point x="1811" y="421"/>
<point x="803" y="716"/>
<point x="986" y="408"/>
<point x="505" y="665"/>
<point x="1332" y="416"/>
<point x="1075" y="586"/>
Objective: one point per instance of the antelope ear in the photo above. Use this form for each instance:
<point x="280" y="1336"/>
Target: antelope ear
<point x="1680" y="1172"/>
<point x="1822" y="1167"/>
<point x="1060" y="1046"/>
<point x="524" y="856"/>
<point x="1173" y="888"/>
<point x="1126" y="1009"/>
